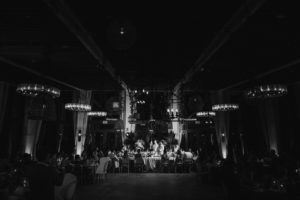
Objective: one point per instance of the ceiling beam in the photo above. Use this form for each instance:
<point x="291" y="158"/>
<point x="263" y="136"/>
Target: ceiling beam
<point x="28" y="69"/>
<point x="238" y="19"/>
<point x="261" y="75"/>
<point x="64" y="13"/>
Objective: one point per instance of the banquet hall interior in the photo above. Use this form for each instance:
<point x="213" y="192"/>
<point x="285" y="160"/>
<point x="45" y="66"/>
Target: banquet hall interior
<point x="149" y="101"/>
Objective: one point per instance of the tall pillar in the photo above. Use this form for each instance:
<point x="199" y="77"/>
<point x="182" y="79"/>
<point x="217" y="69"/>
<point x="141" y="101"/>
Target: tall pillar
<point x="270" y="122"/>
<point x="32" y="125"/>
<point x="81" y="120"/>
<point x="177" y="126"/>
<point x="126" y="113"/>
<point x="31" y="136"/>
<point x="221" y="124"/>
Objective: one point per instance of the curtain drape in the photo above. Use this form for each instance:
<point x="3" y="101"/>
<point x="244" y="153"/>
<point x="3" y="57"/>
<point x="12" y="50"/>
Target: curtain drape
<point x="3" y="102"/>
<point x="31" y="136"/>
<point x="81" y="120"/>
<point x="221" y="123"/>
<point x="269" y="117"/>
<point x="32" y="127"/>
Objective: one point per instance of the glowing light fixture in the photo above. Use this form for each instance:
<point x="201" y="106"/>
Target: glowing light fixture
<point x="189" y="119"/>
<point x="206" y="114"/>
<point x="112" y="119"/>
<point x="267" y="91"/>
<point x="225" y="107"/>
<point x="141" y="102"/>
<point x="97" y="114"/>
<point x="173" y="113"/>
<point x="33" y="90"/>
<point x="122" y="31"/>
<point x="77" y="107"/>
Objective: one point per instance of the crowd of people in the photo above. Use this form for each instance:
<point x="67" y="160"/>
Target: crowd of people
<point x="48" y="175"/>
<point x="240" y="177"/>
<point x="256" y="176"/>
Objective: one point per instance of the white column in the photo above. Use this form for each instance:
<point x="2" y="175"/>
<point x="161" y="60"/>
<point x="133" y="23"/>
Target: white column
<point x="221" y="124"/>
<point x="176" y="125"/>
<point x="81" y="120"/>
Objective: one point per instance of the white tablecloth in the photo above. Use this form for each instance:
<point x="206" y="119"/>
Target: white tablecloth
<point x="150" y="162"/>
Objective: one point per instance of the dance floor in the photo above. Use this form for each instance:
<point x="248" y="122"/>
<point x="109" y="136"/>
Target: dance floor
<point x="150" y="186"/>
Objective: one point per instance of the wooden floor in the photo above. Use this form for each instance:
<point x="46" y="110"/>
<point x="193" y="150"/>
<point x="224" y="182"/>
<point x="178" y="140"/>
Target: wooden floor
<point x="150" y="186"/>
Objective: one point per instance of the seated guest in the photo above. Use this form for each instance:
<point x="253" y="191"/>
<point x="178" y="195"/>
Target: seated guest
<point x="138" y="162"/>
<point x="164" y="156"/>
<point x="125" y="158"/>
<point x="66" y="161"/>
<point x="115" y="159"/>
<point x="84" y="155"/>
<point x="100" y="154"/>
<point x="77" y="160"/>
<point x="176" y="148"/>
<point x="170" y="153"/>
<point x="67" y="189"/>
<point x="138" y="155"/>
<point x="154" y="146"/>
<point x="53" y="160"/>
<point x="102" y="167"/>
<point x="124" y="148"/>
<point x="151" y="145"/>
<point x="95" y="155"/>
<point x="42" y="177"/>
<point x="139" y="144"/>
<point x="179" y="156"/>
<point x="125" y="155"/>
<point x="147" y="152"/>
<point x="109" y="153"/>
<point x="188" y="155"/>
<point x="160" y="149"/>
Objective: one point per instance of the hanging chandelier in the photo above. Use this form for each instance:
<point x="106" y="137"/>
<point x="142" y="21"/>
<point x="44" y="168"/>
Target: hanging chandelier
<point x="206" y="114"/>
<point x="267" y="91"/>
<point x="34" y="90"/>
<point x="141" y="102"/>
<point x="225" y="107"/>
<point x="139" y="92"/>
<point x="173" y="113"/>
<point x="97" y="114"/>
<point x="77" y="107"/>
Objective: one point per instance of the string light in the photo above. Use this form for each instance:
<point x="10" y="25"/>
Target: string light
<point x="173" y="113"/>
<point x="267" y="91"/>
<point x="78" y="107"/>
<point x="141" y="102"/>
<point x="225" y="107"/>
<point x="206" y="114"/>
<point x="97" y="114"/>
<point x="34" y="90"/>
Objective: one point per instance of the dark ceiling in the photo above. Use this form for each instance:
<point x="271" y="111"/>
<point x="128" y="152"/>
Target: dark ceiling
<point x="149" y="47"/>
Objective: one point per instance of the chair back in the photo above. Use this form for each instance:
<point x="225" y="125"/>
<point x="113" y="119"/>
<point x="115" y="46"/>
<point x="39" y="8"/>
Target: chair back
<point x="102" y="167"/>
<point x="188" y="161"/>
<point x="70" y="190"/>
<point x="105" y="167"/>
<point x="139" y="161"/>
<point x="179" y="161"/>
<point x="125" y="161"/>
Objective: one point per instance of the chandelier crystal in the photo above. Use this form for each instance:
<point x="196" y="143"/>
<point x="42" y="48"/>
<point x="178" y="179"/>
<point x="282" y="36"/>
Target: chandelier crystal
<point x="97" y="114"/>
<point x="206" y="114"/>
<point x="173" y="113"/>
<point x="78" y="107"/>
<point x="267" y="91"/>
<point x="34" y="90"/>
<point x="141" y="102"/>
<point x="225" y="107"/>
